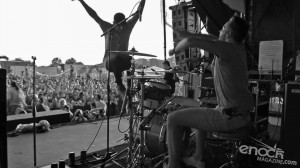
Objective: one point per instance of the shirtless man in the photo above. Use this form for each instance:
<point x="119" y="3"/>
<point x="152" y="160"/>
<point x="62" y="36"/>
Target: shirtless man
<point x="119" y="41"/>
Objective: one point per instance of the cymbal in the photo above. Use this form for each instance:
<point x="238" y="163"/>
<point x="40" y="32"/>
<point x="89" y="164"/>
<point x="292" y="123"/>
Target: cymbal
<point x="172" y="71"/>
<point x="133" y="53"/>
<point x="142" y="77"/>
<point x="209" y="78"/>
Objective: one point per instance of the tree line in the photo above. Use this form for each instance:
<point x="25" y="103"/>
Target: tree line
<point x="55" y="61"/>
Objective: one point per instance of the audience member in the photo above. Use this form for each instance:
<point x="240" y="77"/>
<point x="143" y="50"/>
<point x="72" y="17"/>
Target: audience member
<point x="15" y="98"/>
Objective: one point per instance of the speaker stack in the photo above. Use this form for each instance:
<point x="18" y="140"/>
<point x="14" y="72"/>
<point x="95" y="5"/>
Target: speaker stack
<point x="290" y="137"/>
<point x="185" y="18"/>
<point x="3" y="134"/>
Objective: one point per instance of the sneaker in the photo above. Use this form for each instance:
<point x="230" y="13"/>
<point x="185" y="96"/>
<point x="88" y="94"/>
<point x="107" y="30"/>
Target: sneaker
<point x="13" y="134"/>
<point x="190" y="161"/>
<point x="165" y="162"/>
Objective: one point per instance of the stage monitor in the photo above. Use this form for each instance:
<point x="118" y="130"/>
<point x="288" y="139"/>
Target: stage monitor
<point x="3" y="133"/>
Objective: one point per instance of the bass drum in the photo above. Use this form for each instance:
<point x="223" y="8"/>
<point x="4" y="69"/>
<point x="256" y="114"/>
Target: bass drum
<point x="156" y="136"/>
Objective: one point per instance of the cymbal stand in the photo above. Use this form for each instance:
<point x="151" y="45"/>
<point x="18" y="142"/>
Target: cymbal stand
<point x="131" y="111"/>
<point x="139" y="153"/>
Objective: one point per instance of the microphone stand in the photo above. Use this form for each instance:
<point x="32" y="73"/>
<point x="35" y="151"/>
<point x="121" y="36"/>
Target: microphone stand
<point x="110" y="33"/>
<point x="164" y="22"/>
<point x="34" y="112"/>
<point x="272" y="72"/>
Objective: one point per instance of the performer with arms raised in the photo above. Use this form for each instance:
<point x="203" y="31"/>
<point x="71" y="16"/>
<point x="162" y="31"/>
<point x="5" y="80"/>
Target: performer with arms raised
<point x="119" y="41"/>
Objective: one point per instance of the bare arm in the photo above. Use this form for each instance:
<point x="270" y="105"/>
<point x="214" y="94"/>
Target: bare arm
<point x="23" y="102"/>
<point x="28" y="90"/>
<point x="184" y="34"/>
<point x="49" y="87"/>
<point x="137" y="14"/>
<point x="103" y="24"/>
<point x="23" y="98"/>
<point x="214" y="46"/>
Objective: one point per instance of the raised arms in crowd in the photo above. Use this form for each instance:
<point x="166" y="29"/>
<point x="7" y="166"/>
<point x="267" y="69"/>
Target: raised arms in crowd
<point x="104" y="25"/>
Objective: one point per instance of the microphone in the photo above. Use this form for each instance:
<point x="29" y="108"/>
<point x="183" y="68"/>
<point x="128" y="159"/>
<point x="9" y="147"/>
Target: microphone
<point x="33" y="57"/>
<point x="154" y="71"/>
<point x="140" y="12"/>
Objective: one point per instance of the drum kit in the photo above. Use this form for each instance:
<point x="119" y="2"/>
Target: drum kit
<point x="147" y="145"/>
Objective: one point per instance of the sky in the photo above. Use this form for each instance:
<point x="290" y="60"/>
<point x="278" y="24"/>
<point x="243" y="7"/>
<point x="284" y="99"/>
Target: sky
<point x="62" y="28"/>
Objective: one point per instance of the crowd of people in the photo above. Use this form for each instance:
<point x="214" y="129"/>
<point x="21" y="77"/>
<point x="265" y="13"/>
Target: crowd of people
<point x="84" y="98"/>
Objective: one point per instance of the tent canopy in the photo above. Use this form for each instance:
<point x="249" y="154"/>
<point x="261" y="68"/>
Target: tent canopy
<point x="272" y="19"/>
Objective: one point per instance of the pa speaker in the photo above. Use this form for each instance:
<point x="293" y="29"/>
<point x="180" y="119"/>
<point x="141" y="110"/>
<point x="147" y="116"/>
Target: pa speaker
<point x="290" y="137"/>
<point x="3" y="133"/>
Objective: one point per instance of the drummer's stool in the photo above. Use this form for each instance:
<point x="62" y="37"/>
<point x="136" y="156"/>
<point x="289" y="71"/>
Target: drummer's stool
<point x="231" y="145"/>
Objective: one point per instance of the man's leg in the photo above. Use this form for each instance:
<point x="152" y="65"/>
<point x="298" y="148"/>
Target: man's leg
<point x="174" y="137"/>
<point x="198" y="158"/>
<point x="203" y="119"/>
<point x="120" y="87"/>
<point x="200" y="145"/>
<point x="126" y="96"/>
<point x="119" y="64"/>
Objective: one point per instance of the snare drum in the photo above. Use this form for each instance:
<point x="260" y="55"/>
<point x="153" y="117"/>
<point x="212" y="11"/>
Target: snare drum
<point x="156" y="91"/>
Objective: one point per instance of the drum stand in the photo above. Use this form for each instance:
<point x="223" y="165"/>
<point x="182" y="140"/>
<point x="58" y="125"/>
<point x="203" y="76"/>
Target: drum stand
<point x="131" y="145"/>
<point x="139" y="160"/>
<point x="138" y="156"/>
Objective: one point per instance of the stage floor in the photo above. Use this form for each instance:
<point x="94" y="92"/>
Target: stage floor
<point x="56" y="144"/>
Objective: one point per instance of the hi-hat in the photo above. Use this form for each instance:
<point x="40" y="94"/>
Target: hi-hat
<point x="133" y="52"/>
<point x="142" y="77"/>
<point x="175" y="71"/>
